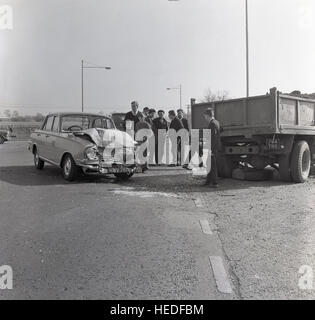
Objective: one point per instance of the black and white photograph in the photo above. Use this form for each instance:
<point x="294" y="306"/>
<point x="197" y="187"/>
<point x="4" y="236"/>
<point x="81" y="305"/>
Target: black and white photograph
<point x="157" y="150"/>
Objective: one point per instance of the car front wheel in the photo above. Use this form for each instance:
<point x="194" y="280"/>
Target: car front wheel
<point x="38" y="162"/>
<point x="69" y="168"/>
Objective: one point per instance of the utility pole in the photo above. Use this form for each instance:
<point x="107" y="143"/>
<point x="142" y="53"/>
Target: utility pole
<point x="82" y="84"/>
<point x="247" y="50"/>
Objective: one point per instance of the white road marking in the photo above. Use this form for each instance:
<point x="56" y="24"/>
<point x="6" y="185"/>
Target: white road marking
<point x="220" y="275"/>
<point x="205" y="226"/>
<point x="198" y="203"/>
<point x="143" y="194"/>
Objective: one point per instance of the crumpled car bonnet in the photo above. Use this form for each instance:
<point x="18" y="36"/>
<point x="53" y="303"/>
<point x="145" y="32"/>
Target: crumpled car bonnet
<point x="105" y="137"/>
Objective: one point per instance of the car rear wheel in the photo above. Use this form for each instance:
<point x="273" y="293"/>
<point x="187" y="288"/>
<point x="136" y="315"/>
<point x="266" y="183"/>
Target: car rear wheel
<point x="123" y="176"/>
<point x="69" y="168"/>
<point x="38" y="162"/>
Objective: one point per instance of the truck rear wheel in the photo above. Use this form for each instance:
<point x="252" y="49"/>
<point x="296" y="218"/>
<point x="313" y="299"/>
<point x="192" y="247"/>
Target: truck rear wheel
<point x="300" y="162"/>
<point x="284" y="168"/>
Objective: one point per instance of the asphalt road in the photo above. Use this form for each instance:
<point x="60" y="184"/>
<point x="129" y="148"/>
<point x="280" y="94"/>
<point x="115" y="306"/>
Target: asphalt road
<point x="151" y="237"/>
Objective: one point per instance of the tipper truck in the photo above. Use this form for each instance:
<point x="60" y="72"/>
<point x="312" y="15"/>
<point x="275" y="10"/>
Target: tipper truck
<point x="275" y="129"/>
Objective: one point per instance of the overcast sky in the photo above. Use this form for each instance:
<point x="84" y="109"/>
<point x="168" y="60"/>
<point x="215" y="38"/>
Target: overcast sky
<point x="151" y="45"/>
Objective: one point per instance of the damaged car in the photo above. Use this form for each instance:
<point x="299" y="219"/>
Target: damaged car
<point x="84" y="143"/>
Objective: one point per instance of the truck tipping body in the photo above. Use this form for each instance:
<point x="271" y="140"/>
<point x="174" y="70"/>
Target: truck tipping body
<point x="265" y="130"/>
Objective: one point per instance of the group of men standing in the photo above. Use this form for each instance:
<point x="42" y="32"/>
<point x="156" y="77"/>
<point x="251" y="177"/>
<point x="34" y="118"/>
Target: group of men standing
<point x="147" y="119"/>
<point x="150" y="119"/>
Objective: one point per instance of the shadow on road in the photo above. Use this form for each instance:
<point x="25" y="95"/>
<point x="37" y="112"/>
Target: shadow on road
<point x="178" y="181"/>
<point x="29" y="176"/>
<point x="186" y="183"/>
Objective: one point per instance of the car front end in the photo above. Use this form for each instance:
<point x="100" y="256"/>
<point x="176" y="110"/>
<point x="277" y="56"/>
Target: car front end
<point x="110" y="157"/>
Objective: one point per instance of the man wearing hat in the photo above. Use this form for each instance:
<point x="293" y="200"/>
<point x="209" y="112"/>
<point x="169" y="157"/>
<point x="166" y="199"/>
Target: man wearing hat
<point x="214" y="126"/>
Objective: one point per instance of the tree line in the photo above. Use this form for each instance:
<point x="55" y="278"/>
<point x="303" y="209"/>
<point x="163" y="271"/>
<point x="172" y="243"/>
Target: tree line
<point x="16" y="117"/>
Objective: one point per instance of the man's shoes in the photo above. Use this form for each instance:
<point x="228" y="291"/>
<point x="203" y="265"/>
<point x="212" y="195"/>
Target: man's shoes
<point x="186" y="166"/>
<point x="172" y="165"/>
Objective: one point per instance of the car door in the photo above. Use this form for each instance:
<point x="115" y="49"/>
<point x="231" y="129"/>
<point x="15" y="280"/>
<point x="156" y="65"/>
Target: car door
<point x="51" y="141"/>
<point x="41" y="137"/>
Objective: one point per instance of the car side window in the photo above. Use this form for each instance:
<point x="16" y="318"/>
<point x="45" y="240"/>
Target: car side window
<point x="98" y="123"/>
<point x="48" y="124"/>
<point x="103" y="123"/>
<point x="109" y="124"/>
<point x="55" y="127"/>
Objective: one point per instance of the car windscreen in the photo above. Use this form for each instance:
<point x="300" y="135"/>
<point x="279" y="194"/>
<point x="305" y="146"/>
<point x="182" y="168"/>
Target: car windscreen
<point x="79" y="123"/>
<point x="75" y="123"/>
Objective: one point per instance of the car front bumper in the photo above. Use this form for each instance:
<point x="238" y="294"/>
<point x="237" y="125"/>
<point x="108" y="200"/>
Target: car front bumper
<point x="113" y="169"/>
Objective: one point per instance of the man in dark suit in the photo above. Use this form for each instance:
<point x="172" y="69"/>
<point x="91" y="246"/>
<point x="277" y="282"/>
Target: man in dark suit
<point x="143" y="125"/>
<point x="214" y="126"/>
<point x="180" y="116"/>
<point x="150" y="117"/>
<point x="131" y="117"/>
<point x="177" y="125"/>
<point x="145" y="112"/>
<point x="159" y="123"/>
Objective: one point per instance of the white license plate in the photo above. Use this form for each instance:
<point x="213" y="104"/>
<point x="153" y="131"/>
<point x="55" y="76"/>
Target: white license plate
<point x="119" y="170"/>
<point x="122" y="170"/>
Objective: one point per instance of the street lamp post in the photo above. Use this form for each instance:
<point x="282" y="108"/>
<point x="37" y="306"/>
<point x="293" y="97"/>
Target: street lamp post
<point x="180" y="93"/>
<point x="89" y="66"/>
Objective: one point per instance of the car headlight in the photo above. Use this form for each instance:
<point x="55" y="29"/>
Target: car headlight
<point x="91" y="153"/>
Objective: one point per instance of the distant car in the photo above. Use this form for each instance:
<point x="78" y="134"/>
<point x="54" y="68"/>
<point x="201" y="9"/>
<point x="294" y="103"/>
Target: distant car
<point x="84" y="142"/>
<point x="3" y="137"/>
